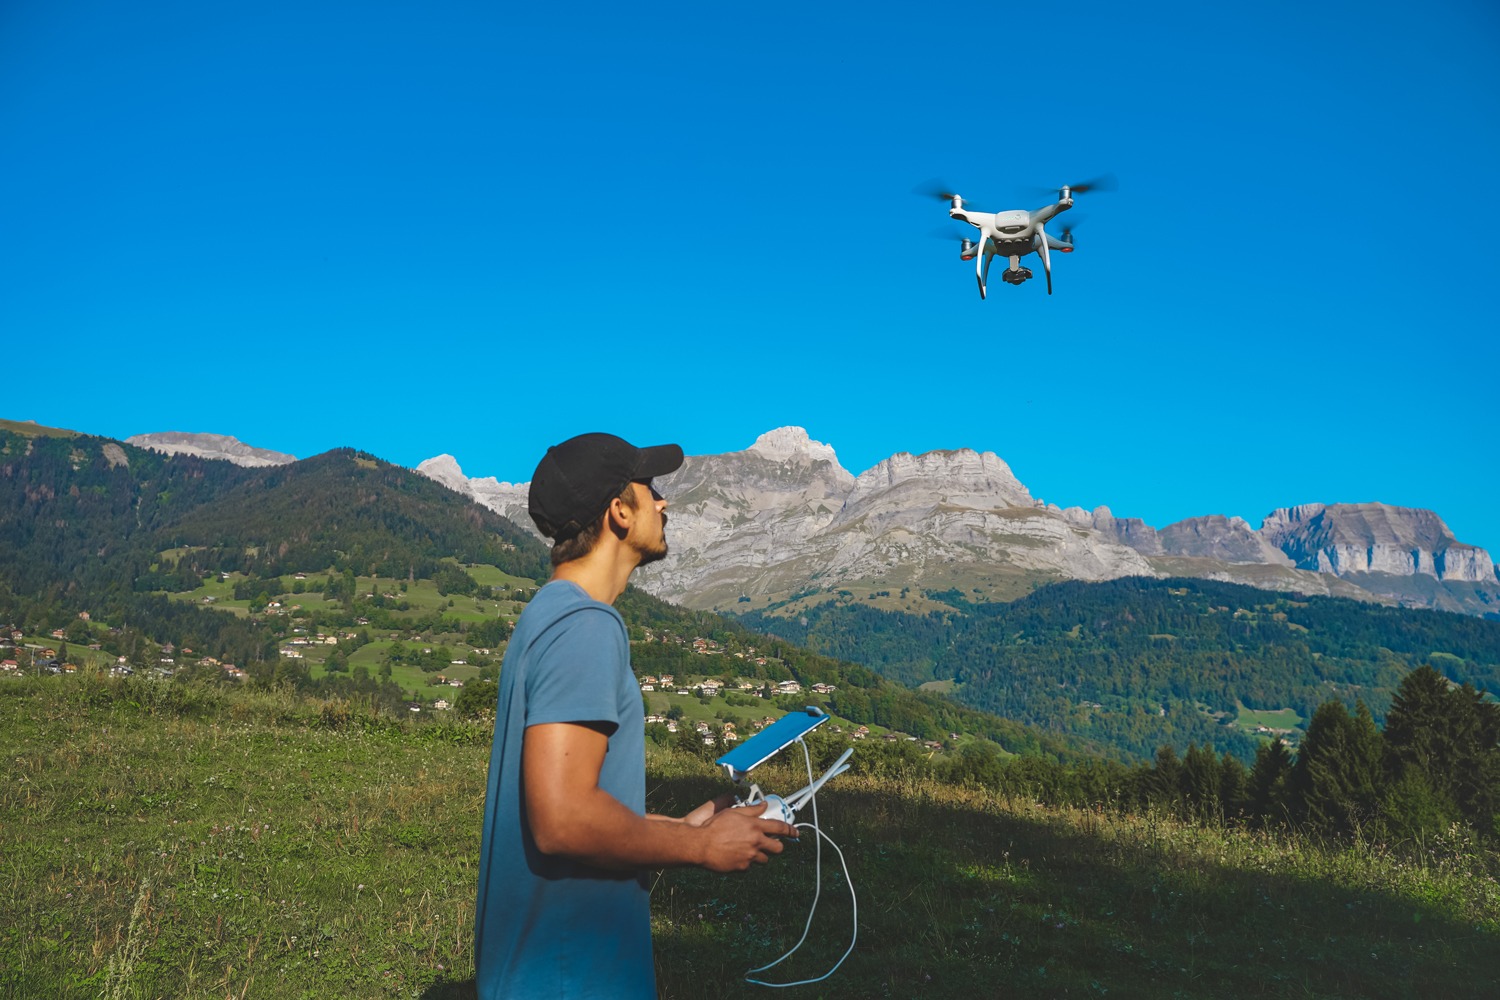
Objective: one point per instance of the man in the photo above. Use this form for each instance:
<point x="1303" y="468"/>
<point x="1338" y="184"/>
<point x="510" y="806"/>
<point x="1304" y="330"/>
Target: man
<point x="563" y="905"/>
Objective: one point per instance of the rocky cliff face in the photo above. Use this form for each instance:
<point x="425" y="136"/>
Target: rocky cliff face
<point x="219" y="446"/>
<point x="1345" y="539"/>
<point x="784" y="517"/>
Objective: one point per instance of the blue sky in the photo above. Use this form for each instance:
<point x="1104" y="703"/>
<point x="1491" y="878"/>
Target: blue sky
<point x="468" y="228"/>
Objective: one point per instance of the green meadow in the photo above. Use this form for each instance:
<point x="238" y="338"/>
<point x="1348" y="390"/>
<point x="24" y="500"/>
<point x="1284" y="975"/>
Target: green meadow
<point x="1278" y="718"/>
<point x="164" y="840"/>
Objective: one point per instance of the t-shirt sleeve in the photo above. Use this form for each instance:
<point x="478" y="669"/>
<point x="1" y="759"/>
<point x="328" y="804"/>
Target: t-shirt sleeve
<point x="575" y="677"/>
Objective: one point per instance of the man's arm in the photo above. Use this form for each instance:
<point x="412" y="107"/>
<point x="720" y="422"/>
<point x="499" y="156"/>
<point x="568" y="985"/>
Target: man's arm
<point x="571" y="816"/>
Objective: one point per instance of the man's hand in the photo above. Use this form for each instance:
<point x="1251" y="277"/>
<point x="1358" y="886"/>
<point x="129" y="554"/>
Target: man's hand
<point x="736" y="838"/>
<point x="708" y="810"/>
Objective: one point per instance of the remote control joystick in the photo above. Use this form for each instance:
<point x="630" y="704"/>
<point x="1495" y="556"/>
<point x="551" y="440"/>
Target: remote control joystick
<point x="775" y="806"/>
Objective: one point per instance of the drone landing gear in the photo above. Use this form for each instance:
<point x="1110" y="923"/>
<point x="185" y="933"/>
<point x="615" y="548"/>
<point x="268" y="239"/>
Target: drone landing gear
<point x="1016" y="275"/>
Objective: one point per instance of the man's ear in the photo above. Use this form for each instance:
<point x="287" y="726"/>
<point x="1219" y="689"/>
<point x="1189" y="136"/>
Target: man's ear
<point x="617" y="517"/>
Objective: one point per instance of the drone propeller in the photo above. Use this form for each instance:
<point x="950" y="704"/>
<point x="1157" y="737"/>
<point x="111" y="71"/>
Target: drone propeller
<point x="935" y="188"/>
<point x="941" y="190"/>
<point x="1069" y="225"/>
<point x="1104" y="183"/>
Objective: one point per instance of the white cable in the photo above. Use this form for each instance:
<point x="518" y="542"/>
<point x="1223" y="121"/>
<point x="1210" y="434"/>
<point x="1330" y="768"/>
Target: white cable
<point x="817" y="892"/>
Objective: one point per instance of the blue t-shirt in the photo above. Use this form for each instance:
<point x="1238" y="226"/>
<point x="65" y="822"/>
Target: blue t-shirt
<point x="546" y="926"/>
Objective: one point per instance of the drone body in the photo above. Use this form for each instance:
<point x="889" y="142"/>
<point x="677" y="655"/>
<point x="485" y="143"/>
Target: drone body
<point x="1016" y="234"/>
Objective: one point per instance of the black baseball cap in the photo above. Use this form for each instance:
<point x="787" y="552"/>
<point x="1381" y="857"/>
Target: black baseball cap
<point x="575" y="481"/>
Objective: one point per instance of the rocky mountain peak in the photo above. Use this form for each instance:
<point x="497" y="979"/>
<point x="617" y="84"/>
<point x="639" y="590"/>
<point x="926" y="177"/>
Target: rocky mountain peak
<point x="961" y="476"/>
<point x="217" y="446"/>
<point x="445" y="469"/>
<point x="1374" y="538"/>
<point x="792" y="444"/>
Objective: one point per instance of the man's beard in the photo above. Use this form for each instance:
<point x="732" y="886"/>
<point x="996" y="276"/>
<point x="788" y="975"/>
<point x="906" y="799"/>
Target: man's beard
<point x="657" y="552"/>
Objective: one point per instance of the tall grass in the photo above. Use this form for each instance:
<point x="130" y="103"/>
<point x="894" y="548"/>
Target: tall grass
<point x="173" y="841"/>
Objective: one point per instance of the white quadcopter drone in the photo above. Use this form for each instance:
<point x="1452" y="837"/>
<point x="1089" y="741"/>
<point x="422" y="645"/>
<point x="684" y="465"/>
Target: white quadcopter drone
<point x="1015" y="234"/>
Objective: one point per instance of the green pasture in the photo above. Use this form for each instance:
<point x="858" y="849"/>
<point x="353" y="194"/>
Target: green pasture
<point x="78" y="654"/>
<point x="28" y="428"/>
<point x="1279" y="718"/>
<point x="492" y="576"/>
<point x="421" y="596"/>
<point x="412" y="679"/>
<point x="160" y="840"/>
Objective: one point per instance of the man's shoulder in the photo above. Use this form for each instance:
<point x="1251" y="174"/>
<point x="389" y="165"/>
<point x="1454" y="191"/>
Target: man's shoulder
<point x="560" y="600"/>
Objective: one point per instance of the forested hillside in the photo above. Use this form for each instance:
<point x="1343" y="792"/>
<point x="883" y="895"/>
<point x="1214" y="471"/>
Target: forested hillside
<point x="1137" y="663"/>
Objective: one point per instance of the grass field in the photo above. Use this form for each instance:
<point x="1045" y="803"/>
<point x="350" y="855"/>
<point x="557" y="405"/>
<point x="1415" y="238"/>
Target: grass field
<point x="1278" y="718"/>
<point x="162" y="841"/>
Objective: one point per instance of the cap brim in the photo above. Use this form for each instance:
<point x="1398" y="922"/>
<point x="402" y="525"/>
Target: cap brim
<point x="659" y="460"/>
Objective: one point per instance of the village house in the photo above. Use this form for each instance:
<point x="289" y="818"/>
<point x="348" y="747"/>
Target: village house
<point x="821" y="688"/>
<point x="789" y="687"/>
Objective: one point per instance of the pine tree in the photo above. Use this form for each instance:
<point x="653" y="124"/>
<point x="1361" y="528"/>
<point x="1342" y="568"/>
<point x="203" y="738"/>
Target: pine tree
<point x="1268" y="783"/>
<point x="1443" y="744"/>
<point x="1162" y="784"/>
<point x="1200" y="782"/>
<point x="1234" y="786"/>
<point x="1337" y="778"/>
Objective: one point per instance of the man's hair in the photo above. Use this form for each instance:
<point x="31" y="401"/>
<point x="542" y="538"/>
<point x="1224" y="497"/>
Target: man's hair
<point x="579" y="545"/>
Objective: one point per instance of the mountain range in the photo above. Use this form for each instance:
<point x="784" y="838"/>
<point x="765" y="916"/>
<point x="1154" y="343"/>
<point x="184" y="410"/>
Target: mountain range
<point x="1113" y="656"/>
<point x="783" y="523"/>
